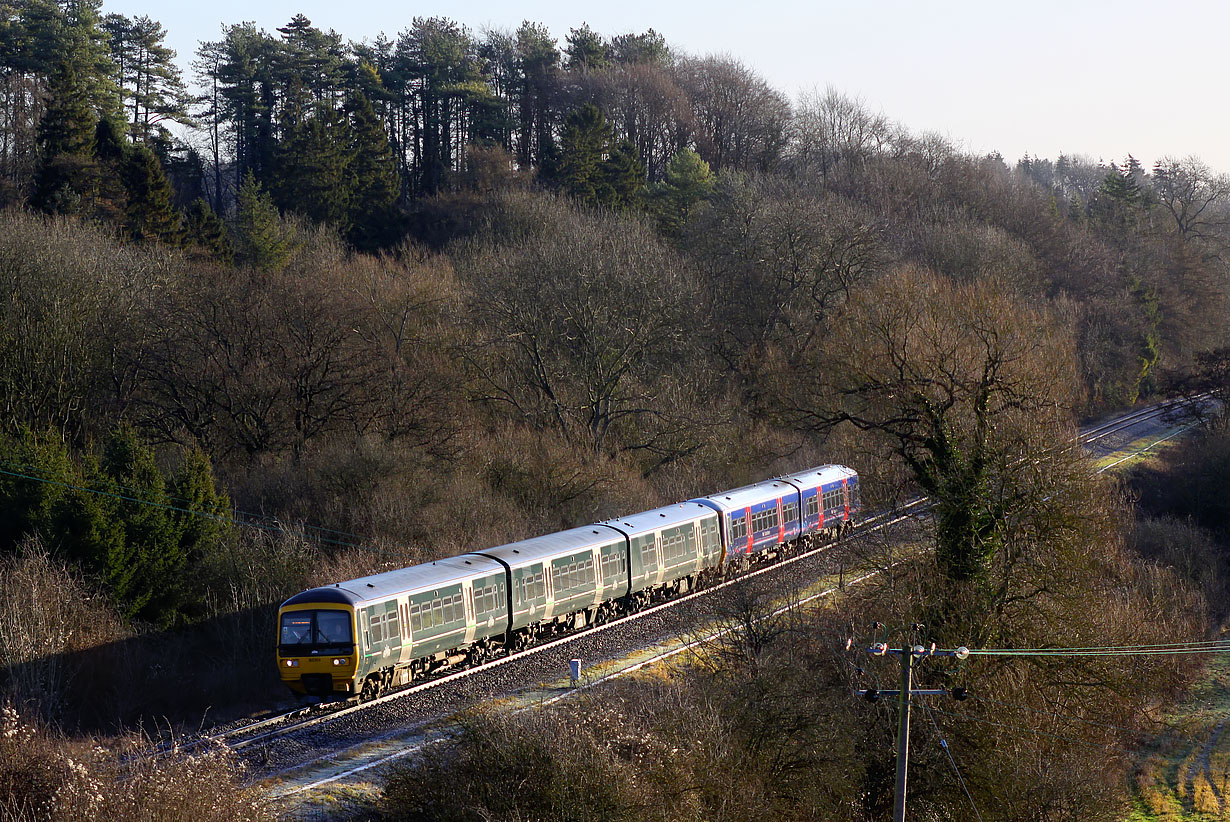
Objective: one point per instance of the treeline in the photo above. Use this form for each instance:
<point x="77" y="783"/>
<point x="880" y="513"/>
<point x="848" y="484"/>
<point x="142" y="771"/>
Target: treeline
<point x="409" y="297"/>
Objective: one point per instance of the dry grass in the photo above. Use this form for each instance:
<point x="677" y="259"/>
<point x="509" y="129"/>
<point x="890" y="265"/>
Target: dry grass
<point x="45" y="778"/>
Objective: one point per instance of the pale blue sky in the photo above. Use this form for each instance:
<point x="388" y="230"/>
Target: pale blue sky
<point x="1092" y="78"/>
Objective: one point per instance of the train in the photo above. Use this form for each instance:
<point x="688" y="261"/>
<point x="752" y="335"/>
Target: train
<point x="365" y="636"/>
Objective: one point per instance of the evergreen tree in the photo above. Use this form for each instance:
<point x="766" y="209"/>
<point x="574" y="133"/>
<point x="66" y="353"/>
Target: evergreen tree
<point x="113" y="517"/>
<point x="66" y="144"/>
<point x="374" y="175"/>
<point x="582" y="149"/>
<point x="145" y="575"/>
<point x="687" y="183"/>
<point x="201" y="515"/>
<point x="109" y="199"/>
<point x="537" y="66"/>
<point x="623" y="177"/>
<point x="314" y="171"/>
<point x="261" y="238"/>
<point x="151" y="84"/>
<point x="1118" y="201"/>
<point x="649" y="47"/>
<point x="150" y="212"/>
<point x="586" y="50"/>
<point x="203" y="228"/>
<point x="31" y="505"/>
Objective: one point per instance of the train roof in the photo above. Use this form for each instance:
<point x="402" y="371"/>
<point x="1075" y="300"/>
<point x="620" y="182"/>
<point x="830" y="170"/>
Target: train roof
<point x="402" y="581"/>
<point x="550" y="546"/>
<point x="665" y="517"/>
<point x="749" y="495"/>
<point x="816" y="477"/>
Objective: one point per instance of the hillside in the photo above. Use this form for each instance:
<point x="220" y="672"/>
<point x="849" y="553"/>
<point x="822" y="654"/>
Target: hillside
<point x="372" y="304"/>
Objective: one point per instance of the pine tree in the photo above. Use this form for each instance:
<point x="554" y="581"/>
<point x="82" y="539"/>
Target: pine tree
<point x="374" y="175"/>
<point x="150" y="212"/>
<point x="203" y="228"/>
<point x="261" y="239"/>
<point x="687" y="183"/>
<point x="67" y="170"/>
<point x="623" y="177"/>
<point x="583" y="146"/>
<point x="586" y="50"/>
<point x="314" y="173"/>
<point x="202" y="513"/>
<point x="146" y="576"/>
<point x="108" y="201"/>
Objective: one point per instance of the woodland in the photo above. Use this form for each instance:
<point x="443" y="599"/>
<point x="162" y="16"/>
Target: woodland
<point x="328" y="308"/>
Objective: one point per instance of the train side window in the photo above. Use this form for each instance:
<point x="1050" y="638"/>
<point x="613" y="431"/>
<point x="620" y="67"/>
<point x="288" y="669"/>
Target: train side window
<point x="459" y="608"/>
<point x="392" y="626"/>
<point x="790" y="512"/>
<point x="738" y="529"/>
<point x="374" y="628"/>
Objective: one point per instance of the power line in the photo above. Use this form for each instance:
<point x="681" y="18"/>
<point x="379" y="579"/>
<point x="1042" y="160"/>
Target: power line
<point x="1175" y="650"/>
<point x="953" y="762"/>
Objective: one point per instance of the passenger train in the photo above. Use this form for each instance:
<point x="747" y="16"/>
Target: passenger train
<point x="364" y="636"/>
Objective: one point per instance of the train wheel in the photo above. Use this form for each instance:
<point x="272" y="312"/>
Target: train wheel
<point x="371" y="689"/>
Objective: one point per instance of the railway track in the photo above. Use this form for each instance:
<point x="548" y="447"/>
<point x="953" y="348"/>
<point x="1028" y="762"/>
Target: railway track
<point x="268" y="730"/>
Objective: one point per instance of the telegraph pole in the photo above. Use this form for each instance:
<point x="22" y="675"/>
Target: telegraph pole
<point x="903" y="733"/>
<point x="908" y="653"/>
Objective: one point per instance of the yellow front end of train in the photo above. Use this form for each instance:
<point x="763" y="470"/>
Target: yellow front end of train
<point x="317" y="655"/>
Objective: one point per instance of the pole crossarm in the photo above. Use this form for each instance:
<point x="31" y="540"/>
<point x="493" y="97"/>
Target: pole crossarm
<point x="909" y="654"/>
<point x="882" y="649"/>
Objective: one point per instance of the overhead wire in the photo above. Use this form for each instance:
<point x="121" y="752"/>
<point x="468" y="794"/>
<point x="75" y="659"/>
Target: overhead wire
<point x="951" y="761"/>
<point x="1177" y="648"/>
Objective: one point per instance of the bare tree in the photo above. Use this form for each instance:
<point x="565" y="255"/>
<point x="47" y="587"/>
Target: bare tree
<point x="831" y="128"/>
<point x="589" y="328"/>
<point x="1193" y="195"/>
<point x="742" y="120"/>
<point x="966" y="382"/>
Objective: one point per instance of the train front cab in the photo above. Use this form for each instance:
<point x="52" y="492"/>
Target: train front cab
<point x="316" y="646"/>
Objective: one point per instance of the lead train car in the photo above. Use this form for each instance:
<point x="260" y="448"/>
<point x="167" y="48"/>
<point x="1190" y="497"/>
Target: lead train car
<point x="365" y="635"/>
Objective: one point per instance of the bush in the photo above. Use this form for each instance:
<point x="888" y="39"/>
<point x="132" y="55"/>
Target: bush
<point x="44" y="778"/>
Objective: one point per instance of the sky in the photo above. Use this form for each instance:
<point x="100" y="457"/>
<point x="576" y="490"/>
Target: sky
<point x="1097" y="79"/>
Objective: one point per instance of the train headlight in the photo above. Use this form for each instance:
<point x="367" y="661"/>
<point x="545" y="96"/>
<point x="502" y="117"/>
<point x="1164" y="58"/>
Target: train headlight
<point x="292" y="663"/>
<point x="340" y="661"/>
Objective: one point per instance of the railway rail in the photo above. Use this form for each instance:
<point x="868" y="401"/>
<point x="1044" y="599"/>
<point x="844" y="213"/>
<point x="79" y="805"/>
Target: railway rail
<point x="268" y="730"/>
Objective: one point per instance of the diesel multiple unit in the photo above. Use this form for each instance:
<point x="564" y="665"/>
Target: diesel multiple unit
<point x="365" y="635"/>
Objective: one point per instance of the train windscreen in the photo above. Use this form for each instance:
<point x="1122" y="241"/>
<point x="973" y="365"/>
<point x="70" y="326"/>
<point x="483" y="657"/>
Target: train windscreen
<point x="316" y="629"/>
